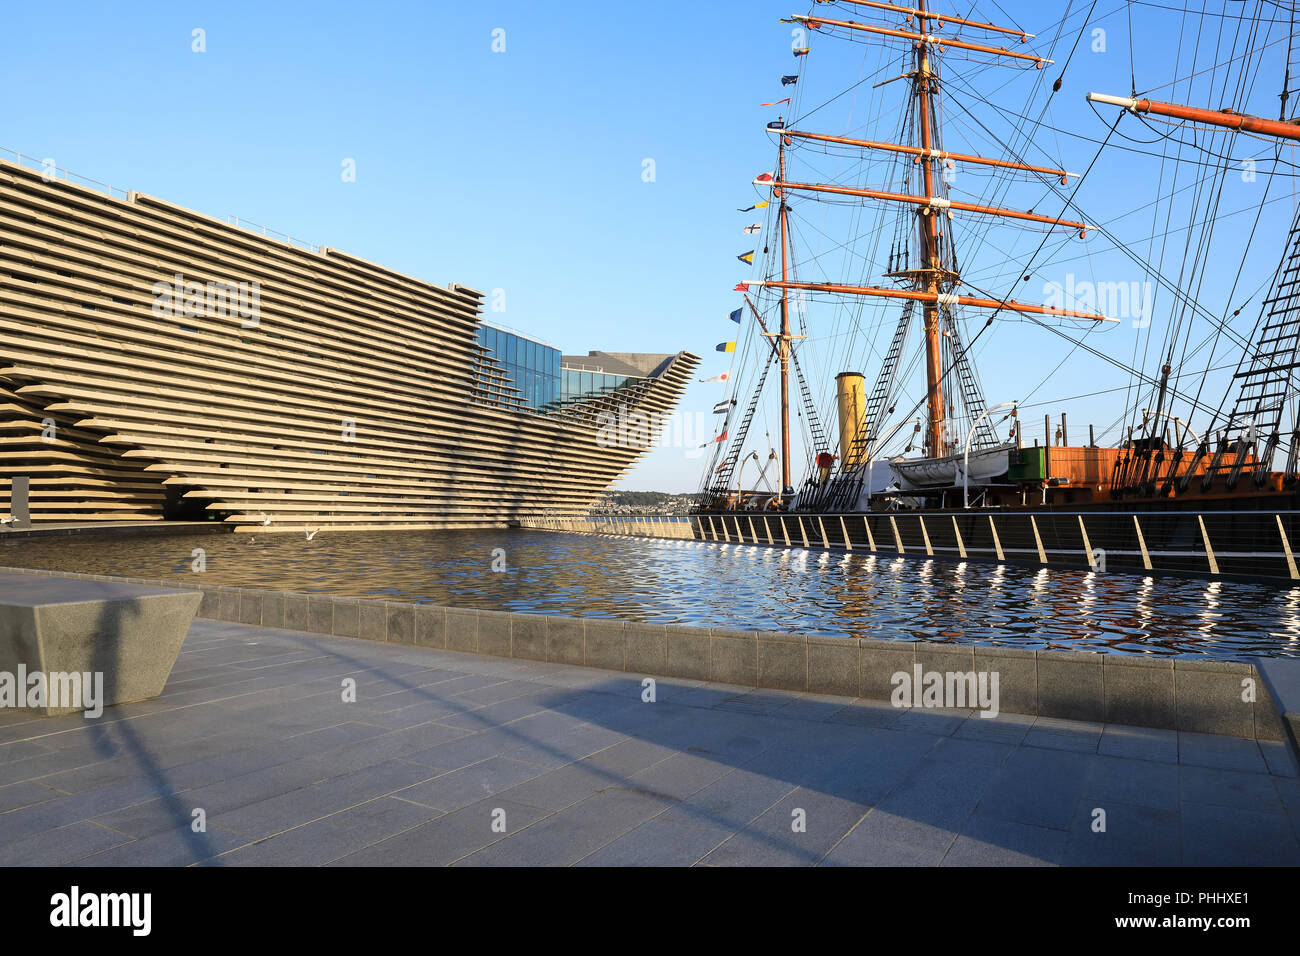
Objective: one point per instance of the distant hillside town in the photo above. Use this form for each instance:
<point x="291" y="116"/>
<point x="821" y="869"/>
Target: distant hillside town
<point x="643" y="503"/>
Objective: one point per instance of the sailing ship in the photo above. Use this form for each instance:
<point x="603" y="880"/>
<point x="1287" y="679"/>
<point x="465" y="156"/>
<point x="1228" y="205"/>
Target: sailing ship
<point x="1161" y="495"/>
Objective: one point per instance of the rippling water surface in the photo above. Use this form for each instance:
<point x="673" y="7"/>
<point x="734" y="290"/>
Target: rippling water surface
<point x="720" y="585"/>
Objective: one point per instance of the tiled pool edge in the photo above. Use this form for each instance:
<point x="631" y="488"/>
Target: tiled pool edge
<point x="1203" y="696"/>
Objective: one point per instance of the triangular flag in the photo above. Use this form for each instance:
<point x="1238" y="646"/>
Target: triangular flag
<point x="789" y="80"/>
<point x="753" y="229"/>
<point x="742" y="287"/>
<point x="735" y="316"/>
<point x="726" y="347"/>
<point x="718" y="378"/>
<point x="747" y="257"/>
<point x="777" y="103"/>
<point x="757" y="205"/>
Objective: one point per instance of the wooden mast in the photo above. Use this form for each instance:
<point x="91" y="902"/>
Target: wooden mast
<point x="937" y="154"/>
<point x="784" y="347"/>
<point x="1228" y="118"/>
<point x="950" y="299"/>
<point x="929" y="274"/>
<point x="932" y="285"/>
<point x="928" y="39"/>
<point x="937" y="17"/>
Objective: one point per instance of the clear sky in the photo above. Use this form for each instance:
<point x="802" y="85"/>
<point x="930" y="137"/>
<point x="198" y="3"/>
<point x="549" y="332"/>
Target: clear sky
<point x="520" y="170"/>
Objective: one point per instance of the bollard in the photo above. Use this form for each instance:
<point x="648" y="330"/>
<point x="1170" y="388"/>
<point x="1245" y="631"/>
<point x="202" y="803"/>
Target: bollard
<point x="19" y="506"/>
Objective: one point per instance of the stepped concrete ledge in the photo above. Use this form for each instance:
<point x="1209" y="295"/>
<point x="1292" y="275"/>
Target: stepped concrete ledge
<point x="70" y="645"/>
<point x="302" y="749"/>
<point x="115" y="529"/>
<point x="1196" y="695"/>
<point x="1281" y="678"/>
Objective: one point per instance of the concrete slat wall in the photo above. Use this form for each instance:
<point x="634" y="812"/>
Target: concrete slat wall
<point x="249" y="423"/>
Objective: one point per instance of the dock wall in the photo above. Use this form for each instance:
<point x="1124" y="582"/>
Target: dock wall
<point x="1200" y="695"/>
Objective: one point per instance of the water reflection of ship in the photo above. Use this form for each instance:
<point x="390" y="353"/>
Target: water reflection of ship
<point x="1164" y="497"/>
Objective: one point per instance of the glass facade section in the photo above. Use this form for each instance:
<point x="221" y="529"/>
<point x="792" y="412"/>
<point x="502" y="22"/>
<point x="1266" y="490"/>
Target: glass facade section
<point x="532" y="367"/>
<point x="576" y="383"/>
<point x="535" y="370"/>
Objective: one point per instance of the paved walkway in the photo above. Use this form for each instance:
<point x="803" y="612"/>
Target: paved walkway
<point x="451" y="758"/>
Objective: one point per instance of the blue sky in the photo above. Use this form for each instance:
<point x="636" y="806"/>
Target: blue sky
<point x="519" y="170"/>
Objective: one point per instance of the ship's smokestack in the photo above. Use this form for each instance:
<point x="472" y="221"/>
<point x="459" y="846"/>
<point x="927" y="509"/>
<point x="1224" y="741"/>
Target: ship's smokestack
<point x="851" y="395"/>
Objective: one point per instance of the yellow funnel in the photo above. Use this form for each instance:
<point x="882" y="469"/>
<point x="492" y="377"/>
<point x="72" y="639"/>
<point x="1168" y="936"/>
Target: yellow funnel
<point x="851" y="391"/>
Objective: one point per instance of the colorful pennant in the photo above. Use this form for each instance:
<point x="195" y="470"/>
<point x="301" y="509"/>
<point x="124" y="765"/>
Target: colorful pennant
<point x="726" y="347"/>
<point x="718" y="378"/>
<point x="735" y="316"/>
<point x="747" y="257"/>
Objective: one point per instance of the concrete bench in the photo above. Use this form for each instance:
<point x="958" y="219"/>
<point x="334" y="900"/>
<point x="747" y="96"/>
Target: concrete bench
<point x="70" y="645"/>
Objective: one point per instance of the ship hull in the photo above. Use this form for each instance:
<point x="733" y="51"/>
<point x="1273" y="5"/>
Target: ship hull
<point x="1246" y="538"/>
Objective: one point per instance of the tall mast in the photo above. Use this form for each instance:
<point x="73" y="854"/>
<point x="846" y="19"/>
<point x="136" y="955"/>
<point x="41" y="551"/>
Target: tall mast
<point x="928" y="277"/>
<point x="784" y="352"/>
<point x="930" y="283"/>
